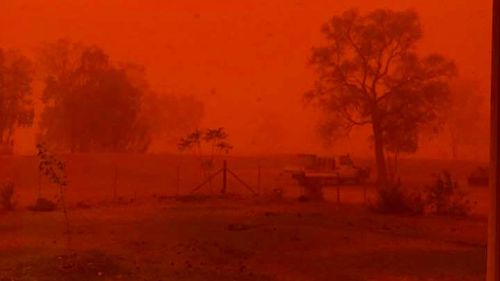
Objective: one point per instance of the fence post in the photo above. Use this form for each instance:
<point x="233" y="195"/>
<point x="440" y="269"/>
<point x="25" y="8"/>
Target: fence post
<point x="364" y="193"/>
<point x="224" y="176"/>
<point x="259" y="187"/>
<point x="493" y="259"/>
<point x="39" y="184"/>
<point x="178" y="181"/>
<point x="115" y="183"/>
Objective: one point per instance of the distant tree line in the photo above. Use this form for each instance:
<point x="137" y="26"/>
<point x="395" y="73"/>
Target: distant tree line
<point x="368" y="73"/>
<point x="16" y="100"/>
<point x="88" y="103"/>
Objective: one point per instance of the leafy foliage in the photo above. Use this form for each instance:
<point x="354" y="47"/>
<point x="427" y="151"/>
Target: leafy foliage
<point x="51" y="167"/>
<point x="445" y="197"/>
<point x="55" y="170"/>
<point x="16" y="104"/>
<point x="90" y="103"/>
<point x="215" y="140"/>
<point x="370" y="74"/>
<point x="393" y="198"/>
<point x="43" y="205"/>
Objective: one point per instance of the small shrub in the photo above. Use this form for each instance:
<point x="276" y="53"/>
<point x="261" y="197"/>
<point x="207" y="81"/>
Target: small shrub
<point x="393" y="198"/>
<point x="303" y="199"/>
<point x="83" y="205"/>
<point x="7" y="196"/>
<point x="43" y="205"/>
<point x="312" y="194"/>
<point x="445" y="197"/>
<point x="277" y="194"/>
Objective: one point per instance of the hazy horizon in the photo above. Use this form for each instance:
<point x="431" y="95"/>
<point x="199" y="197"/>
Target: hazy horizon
<point x="245" y="60"/>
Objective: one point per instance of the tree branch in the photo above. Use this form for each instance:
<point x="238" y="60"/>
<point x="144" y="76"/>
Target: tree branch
<point x="346" y="115"/>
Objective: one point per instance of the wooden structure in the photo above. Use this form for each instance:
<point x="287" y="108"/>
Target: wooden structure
<point x="493" y="260"/>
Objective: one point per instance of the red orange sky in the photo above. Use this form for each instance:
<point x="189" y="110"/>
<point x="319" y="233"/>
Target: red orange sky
<point x="246" y="59"/>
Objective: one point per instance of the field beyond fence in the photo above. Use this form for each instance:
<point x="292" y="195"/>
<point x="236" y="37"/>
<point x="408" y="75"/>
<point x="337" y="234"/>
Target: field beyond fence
<point x="106" y="177"/>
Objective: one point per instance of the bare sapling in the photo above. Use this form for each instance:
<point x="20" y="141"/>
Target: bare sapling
<point x="55" y="171"/>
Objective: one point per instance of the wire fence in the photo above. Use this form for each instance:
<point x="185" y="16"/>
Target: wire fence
<point x="108" y="177"/>
<point x="102" y="177"/>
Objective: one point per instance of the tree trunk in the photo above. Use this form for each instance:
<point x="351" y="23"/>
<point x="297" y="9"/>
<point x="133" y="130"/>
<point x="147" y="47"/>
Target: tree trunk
<point x="454" y="151"/>
<point x="390" y="168"/>
<point x="454" y="144"/>
<point x="66" y="219"/>
<point x="379" y="152"/>
<point x="396" y="163"/>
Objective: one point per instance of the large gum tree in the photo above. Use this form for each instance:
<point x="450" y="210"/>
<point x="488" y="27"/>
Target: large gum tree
<point x="369" y="73"/>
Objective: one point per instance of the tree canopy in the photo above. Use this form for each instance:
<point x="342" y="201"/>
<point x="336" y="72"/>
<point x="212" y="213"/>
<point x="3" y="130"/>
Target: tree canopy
<point x="90" y="104"/>
<point x="369" y="73"/>
<point x="16" y="103"/>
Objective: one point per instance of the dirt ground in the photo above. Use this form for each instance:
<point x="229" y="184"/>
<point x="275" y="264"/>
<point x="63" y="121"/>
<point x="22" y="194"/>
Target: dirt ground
<point x="148" y="234"/>
<point x="239" y="239"/>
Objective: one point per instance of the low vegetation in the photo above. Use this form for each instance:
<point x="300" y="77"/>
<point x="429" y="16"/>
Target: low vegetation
<point x="443" y="197"/>
<point x="7" y="191"/>
<point x="43" y="205"/>
<point x="394" y="198"/>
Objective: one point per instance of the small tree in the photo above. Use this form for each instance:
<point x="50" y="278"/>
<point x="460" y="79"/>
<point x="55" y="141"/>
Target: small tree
<point x="217" y="141"/>
<point x="55" y="171"/>
<point x="213" y="140"/>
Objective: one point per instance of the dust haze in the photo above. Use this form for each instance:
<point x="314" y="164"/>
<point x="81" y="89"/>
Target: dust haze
<point x="244" y="140"/>
<point x="251" y="53"/>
